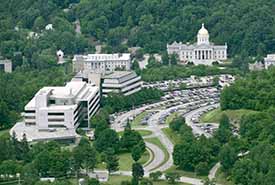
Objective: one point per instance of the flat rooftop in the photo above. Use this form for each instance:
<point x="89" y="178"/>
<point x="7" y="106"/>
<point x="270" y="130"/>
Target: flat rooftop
<point x="33" y="134"/>
<point x="118" y="74"/>
<point x="71" y="90"/>
<point x="104" y="57"/>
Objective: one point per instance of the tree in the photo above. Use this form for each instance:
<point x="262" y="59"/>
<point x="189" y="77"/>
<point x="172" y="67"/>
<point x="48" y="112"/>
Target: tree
<point x="165" y="58"/>
<point x="107" y="139"/>
<point x="155" y="175"/>
<point x="139" y="54"/>
<point x="174" y="59"/>
<point x="131" y="138"/>
<point x="135" y="66"/>
<point x="84" y="156"/>
<point x="228" y="157"/>
<point x="111" y="160"/>
<point x="92" y="181"/>
<point x="202" y="168"/>
<point x="136" y="152"/>
<point x="224" y="133"/>
<point x="172" y="177"/>
<point x="146" y="182"/>
<point x="176" y="124"/>
<point x="137" y="171"/>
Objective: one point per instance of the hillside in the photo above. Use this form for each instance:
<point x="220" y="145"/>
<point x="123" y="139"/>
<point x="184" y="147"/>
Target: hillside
<point x="150" y="24"/>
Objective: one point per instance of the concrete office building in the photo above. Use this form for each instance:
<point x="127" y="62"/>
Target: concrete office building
<point x="101" y="63"/>
<point x="202" y="52"/>
<point x="125" y="82"/>
<point x="56" y="112"/>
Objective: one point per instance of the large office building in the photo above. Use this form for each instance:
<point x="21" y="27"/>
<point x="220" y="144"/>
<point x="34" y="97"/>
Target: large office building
<point x="56" y="112"/>
<point x="125" y="82"/>
<point x="101" y="63"/>
<point x="202" y="52"/>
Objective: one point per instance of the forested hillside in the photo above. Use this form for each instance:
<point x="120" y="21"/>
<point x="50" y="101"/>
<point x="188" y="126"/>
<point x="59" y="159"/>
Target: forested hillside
<point x="246" y="25"/>
<point x="249" y="160"/>
<point x="256" y="91"/>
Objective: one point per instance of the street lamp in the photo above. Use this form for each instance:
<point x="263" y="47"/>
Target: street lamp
<point x="19" y="180"/>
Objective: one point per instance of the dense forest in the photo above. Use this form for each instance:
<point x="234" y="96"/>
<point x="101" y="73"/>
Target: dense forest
<point x="246" y="25"/>
<point x="256" y="91"/>
<point x="249" y="160"/>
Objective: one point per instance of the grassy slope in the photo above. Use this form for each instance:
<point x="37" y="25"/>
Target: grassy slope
<point x="142" y="132"/>
<point x="174" y="137"/>
<point x="116" y="180"/>
<point x="215" y="115"/>
<point x="170" y="118"/>
<point x="221" y="178"/>
<point x="126" y="161"/>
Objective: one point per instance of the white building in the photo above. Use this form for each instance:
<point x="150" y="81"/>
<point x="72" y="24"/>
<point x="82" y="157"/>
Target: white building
<point x="6" y="66"/>
<point x="56" y="112"/>
<point x="60" y="57"/>
<point x="257" y="66"/>
<point x="269" y="61"/>
<point x="202" y="52"/>
<point x="101" y="63"/>
<point x="125" y="82"/>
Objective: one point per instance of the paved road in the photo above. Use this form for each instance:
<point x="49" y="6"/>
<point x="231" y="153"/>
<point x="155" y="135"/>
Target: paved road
<point x="155" y="128"/>
<point x="158" y="158"/>
<point x="213" y="171"/>
<point x="195" y="128"/>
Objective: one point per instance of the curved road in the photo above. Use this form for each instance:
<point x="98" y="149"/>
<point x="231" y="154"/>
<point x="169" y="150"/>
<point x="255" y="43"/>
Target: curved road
<point x="157" y="158"/>
<point x="155" y="128"/>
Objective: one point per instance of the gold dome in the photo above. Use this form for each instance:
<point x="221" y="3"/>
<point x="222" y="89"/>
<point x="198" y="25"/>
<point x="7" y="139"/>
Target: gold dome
<point x="203" y="31"/>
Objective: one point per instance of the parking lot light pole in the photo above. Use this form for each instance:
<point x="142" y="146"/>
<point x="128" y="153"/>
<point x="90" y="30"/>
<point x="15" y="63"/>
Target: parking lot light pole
<point x="19" y="180"/>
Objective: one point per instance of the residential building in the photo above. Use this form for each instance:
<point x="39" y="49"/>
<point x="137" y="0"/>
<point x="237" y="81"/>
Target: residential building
<point x="125" y="82"/>
<point x="101" y="63"/>
<point x="269" y="61"/>
<point x="201" y="52"/>
<point x="257" y="66"/>
<point x="56" y="112"/>
<point x="6" y="66"/>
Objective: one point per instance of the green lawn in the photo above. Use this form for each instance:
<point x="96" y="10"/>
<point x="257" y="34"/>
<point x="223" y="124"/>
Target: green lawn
<point x="174" y="137"/>
<point x="185" y="173"/>
<point x="138" y="119"/>
<point x="157" y="142"/>
<point x="171" y="117"/>
<point x="145" y="132"/>
<point x="126" y="161"/>
<point x="4" y="132"/>
<point x="116" y="180"/>
<point x="142" y="132"/>
<point x="222" y="179"/>
<point x="215" y="115"/>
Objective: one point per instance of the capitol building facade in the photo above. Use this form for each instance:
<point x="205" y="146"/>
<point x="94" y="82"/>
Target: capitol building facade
<point x="202" y="52"/>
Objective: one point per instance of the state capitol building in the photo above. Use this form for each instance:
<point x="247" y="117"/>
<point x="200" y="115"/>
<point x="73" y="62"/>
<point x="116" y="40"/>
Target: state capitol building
<point x="202" y="52"/>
